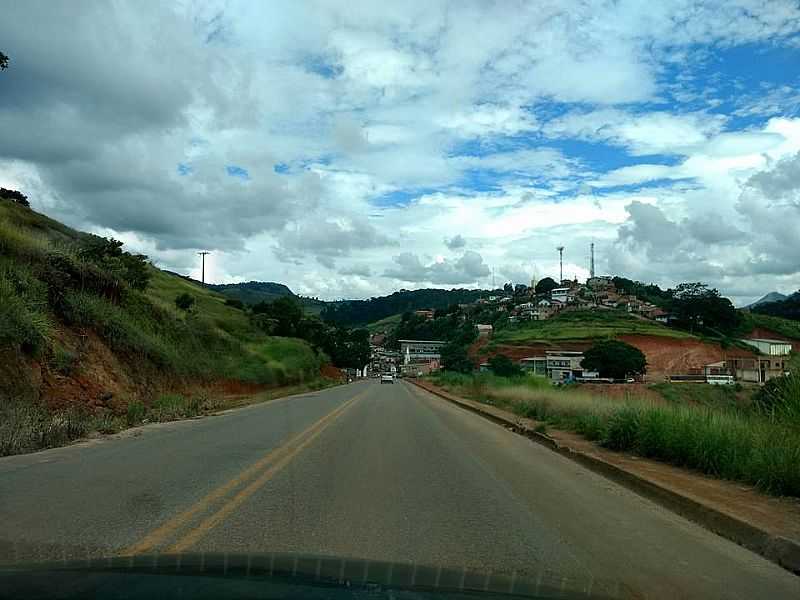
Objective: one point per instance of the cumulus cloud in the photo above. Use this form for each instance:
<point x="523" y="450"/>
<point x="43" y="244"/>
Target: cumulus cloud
<point x="306" y="143"/>
<point x="465" y="270"/>
<point x="456" y="242"/>
<point x="331" y="237"/>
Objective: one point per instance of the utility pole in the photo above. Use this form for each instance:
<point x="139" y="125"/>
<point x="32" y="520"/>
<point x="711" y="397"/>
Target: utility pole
<point x="203" y="271"/>
<point x="591" y="262"/>
<point x="560" y="264"/>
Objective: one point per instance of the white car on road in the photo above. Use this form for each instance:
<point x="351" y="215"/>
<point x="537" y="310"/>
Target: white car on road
<point x="387" y="379"/>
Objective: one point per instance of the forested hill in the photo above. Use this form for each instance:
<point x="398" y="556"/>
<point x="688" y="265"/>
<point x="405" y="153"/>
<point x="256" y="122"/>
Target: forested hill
<point x="787" y="309"/>
<point x="361" y="312"/>
<point x="253" y="292"/>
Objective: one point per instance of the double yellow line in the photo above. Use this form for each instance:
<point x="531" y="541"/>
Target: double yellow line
<point x="258" y="474"/>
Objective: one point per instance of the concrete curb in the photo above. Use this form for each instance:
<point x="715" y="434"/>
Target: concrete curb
<point x="780" y="550"/>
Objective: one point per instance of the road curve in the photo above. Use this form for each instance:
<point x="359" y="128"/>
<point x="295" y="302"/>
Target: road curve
<point x="383" y="472"/>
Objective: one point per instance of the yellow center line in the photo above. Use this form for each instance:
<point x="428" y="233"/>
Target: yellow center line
<point x="215" y="519"/>
<point x="158" y="535"/>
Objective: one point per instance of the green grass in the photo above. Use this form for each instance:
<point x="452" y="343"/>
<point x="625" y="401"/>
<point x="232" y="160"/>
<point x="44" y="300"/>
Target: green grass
<point x="384" y="324"/>
<point x="786" y="327"/>
<point x="293" y="360"/>
<point x="702" y="394"/>
<point x="164" y="287"/>
<point x="583" y="325"/>
<point x="736" y="444"/>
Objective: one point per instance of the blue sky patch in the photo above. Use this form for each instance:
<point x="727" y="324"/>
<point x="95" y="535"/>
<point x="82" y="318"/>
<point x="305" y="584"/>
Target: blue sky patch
<point x="235" y="171"/>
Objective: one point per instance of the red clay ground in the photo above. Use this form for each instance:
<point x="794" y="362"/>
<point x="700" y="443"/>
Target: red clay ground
<point x="671" y="356"/>
<point x="665" y="356"/>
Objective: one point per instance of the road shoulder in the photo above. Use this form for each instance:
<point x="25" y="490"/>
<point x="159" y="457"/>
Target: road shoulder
<point x="766" y="525"/>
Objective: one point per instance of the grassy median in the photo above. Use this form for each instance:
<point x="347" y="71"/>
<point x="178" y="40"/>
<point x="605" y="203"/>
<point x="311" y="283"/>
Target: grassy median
<point x="736" y="443"/>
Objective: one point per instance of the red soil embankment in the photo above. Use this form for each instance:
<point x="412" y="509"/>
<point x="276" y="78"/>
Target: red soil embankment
<point x="671" y="356"/>
<point x="665" y="355"/>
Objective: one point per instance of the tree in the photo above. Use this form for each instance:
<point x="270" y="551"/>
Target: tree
<point x="454" y="358"/>
<point x="3" y="62"/>
<point x="508" y="288"/>
<point x="612" y="358"/>
<point x="503" y="366"/>
<point x="546" y="285"/>
<point x="286" y="313"/>
<point x="184" y="301"/>
<point x="15" y="196"/>
<point x="520" y="289"/>
<point x="697" y="306"/>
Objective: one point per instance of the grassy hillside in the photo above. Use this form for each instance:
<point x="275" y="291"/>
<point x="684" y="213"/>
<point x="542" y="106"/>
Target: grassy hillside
<point x="789" y="328"/>
<point x="384" y="324"/>
<point x="164" y="287"/>
<point x="582" y="325"/>
<point x="85" y="325"/>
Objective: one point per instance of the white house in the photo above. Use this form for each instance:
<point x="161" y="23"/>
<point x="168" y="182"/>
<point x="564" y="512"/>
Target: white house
<point x="770" y="347"/>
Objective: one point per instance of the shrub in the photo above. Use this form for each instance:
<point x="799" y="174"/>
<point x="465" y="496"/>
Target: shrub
<point x="235" y="303"/>
<point x="64" y="361"/>
<point x="108" y="254"/>
<point x="184" y="301"/>
<point x="454" y="358"/>
<point x="503" y="366"/>
<point x="135" y="413"/>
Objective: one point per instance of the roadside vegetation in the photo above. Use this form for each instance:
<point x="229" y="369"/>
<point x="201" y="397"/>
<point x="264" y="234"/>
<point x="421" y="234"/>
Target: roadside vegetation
<point x="758" y="444"/>
<point x="28" y="427"/>
<point x="70" y="300"/>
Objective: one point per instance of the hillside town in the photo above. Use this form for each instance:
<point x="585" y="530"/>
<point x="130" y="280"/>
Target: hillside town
<point x="754" y="358"/>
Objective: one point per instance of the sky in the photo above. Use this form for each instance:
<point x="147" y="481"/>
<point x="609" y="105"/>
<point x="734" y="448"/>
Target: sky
<point x="350" y="149"/>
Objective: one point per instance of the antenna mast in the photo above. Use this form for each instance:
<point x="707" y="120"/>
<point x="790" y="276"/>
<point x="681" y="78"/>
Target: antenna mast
<point x="560" y="264"/>
<point x="591" y="263"/>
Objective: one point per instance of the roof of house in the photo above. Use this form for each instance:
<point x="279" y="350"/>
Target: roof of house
<point x="767" y="340"/>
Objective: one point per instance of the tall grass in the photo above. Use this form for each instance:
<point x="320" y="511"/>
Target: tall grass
<point x="26" y="427"/>
<point x="726" y="443"/>
<point x="24" y="321"/>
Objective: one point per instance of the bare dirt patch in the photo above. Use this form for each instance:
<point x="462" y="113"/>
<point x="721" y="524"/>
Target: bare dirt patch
<point x="670" y="356"/>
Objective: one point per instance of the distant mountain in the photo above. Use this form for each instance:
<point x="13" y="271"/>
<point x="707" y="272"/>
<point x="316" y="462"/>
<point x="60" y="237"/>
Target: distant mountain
<point x="788" y="307"/>
<point x="771" y="297"/>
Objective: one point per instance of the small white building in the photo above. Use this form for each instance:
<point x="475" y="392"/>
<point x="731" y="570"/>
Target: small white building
<point x="560" y="294"/>
<point x="420" y="351"/>
<point x="770" y="347"/>
<point x="484" y="330"/>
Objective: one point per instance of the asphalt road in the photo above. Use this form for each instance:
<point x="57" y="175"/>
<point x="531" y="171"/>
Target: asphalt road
<point x="382" y="472"/>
